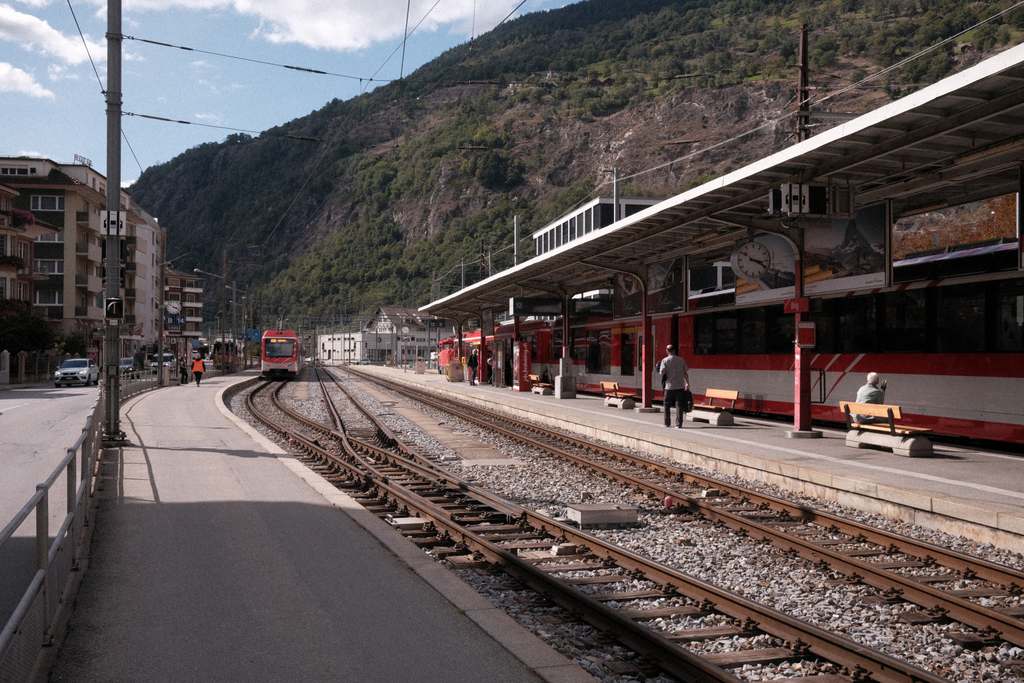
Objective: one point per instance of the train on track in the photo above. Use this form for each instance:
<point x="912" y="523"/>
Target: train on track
<point x="280" y="354"/>
<point x="951" y="350"/>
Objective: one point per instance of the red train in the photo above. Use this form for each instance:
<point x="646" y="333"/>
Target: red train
<point x="952" y="352"/>
<point x="280" y="354"/>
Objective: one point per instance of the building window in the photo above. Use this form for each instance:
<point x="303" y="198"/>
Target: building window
<point x="15" y="171"/>
<point x="52" y="236"/>
<point x="44" y="202"/>
<point x="49" y="267"/>
<point x="3" y="288"/>
<point x="23" y="250"/>
<point x="173" y="296"/>
<point x="49" y="297"/>
<point x="173" y="282"/>
<point x="22" y="291"/>
<point x="190" y="297"/>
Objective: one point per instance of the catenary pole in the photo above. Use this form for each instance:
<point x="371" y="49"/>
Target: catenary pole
<point x="112" y="288"/>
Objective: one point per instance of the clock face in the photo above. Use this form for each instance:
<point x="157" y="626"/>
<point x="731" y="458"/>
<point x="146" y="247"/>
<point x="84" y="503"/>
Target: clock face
<point x="751" y="260"/>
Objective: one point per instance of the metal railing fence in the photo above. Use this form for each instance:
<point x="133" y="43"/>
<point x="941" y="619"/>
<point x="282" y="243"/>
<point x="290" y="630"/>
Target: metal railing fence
<point x="29" y="629"/>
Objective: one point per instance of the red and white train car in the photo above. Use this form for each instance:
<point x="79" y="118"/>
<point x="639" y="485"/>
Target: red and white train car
<point x="951" y="350"/>
<point x="280" y="354"/>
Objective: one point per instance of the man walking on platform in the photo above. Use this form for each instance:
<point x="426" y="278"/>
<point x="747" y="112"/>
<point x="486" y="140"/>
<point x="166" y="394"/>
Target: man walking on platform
<point x="676" y="376"/>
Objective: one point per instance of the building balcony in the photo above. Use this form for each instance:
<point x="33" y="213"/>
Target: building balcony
<point x="11" y="263"/>
<point x="130" y="293"/>
<point x="191" y="290"/>
<point x="89" y="250"/>
<point x="89" y="282"/>
<point x="92" y="312"/>
<point x="82" y="217"/>
<point x="129" y="320"/>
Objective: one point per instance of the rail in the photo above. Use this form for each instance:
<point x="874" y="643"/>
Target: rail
<point x="30" y="627"/>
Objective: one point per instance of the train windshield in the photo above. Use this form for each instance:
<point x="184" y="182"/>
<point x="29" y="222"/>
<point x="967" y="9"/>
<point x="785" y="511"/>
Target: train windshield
<point x="279" y="348"/>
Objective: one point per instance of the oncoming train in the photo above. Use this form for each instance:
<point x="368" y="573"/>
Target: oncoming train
<point x="280" y="354"/>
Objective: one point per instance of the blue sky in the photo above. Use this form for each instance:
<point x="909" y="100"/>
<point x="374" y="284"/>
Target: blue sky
<point x="52" y="104"/>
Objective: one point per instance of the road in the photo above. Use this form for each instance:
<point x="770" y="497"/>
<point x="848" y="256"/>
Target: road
<point x="38" y="423"/>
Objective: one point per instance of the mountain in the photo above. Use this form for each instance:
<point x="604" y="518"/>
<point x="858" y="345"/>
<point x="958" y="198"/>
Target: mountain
<point x="402" y="194"/>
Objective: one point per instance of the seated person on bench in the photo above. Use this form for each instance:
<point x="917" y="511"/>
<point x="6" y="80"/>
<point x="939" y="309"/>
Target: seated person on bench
<point x="871" y="393"/>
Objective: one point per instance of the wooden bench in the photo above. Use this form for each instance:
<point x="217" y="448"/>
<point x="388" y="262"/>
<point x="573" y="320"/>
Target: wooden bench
<point x="902" y="440"/>
<point x="542" y="388"/>
<point x="717" y="414"/>
<point x="616" y="397"/>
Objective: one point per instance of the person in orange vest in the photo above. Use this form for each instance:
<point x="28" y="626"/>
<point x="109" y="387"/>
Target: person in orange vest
<point x="197" y="369"/>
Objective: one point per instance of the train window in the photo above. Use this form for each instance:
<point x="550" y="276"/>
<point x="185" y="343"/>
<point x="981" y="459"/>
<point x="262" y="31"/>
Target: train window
<point x="599" y="351"/>
<point x="1009" y="316"/>
<point x="905" y="322"/>
<point x="779" y="330"/>
<point x="607" y="215"/>
<point x="627" y="364"/>
<point x="725" y="334"/>
<point x="704" y="335"/>
<point x="751" y="330"/>
<point x="959" y="319"/>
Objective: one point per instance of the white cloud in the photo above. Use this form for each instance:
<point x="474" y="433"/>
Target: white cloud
<point x="343" y="25"/>
<point x="36" y="35"/>
<point x="210" y="118"/>
<point x="61" y="73"/>
<point x="13" y="79"/>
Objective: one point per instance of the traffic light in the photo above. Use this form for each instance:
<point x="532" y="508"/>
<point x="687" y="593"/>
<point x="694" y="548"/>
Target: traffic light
<point x="114" y="309"/>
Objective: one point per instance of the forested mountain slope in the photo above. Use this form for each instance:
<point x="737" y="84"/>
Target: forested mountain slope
<point x="379" y="200"/>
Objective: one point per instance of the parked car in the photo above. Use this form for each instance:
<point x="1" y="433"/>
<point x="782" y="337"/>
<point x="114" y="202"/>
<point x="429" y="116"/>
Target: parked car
<point x="128" y="367"/>
<point x="167" y="360"/>
<point x="77" y="371"/>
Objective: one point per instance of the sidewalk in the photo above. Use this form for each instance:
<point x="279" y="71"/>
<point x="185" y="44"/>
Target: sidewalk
<point x="216" y="557"/>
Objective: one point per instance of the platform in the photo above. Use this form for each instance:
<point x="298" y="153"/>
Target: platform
<point x="218" y="557"/>
<point x="962" y="490"/>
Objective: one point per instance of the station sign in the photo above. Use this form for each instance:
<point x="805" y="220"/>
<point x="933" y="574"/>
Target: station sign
<point x="535" y="305"/>
<point x="798" y="305"/>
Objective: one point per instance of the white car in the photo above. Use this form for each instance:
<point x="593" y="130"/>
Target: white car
<point x="77" y="371"/>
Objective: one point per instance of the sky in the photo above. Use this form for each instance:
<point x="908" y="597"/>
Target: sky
<point x="53" y="66"/>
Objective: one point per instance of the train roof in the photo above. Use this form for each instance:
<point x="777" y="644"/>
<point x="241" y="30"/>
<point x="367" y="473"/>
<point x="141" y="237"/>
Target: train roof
<point x="956" y="141"/>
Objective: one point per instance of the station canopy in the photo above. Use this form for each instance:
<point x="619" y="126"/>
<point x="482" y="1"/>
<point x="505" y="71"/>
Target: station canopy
<point x="957" y="141"/>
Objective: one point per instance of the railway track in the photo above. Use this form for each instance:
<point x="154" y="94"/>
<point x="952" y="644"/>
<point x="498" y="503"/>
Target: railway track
<point x="618" y="592"/>
<point x="943" y="584"/>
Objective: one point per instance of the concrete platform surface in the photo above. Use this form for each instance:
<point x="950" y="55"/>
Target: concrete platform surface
<point x="217" y="557"/>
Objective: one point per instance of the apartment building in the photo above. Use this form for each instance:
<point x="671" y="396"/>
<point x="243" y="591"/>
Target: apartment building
<point x="68" y="260"/>
<point x="184" y="306"/>
<point x="18" y="232"/>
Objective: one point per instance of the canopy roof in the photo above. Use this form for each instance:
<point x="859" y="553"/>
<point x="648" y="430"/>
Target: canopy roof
<point x="957" y="141"/>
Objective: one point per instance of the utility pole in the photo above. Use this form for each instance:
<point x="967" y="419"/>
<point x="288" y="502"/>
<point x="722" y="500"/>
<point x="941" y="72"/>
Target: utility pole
<point x="224" y="315"/>
<point x="112" y="288"/>
<point x="803" y="114"/>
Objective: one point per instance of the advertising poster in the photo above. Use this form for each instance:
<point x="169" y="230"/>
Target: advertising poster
<point x="773" y="276"/>
<point x="665" y="289"/>
<point x="627" y="296"/>
<point x="850" y="254"/>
